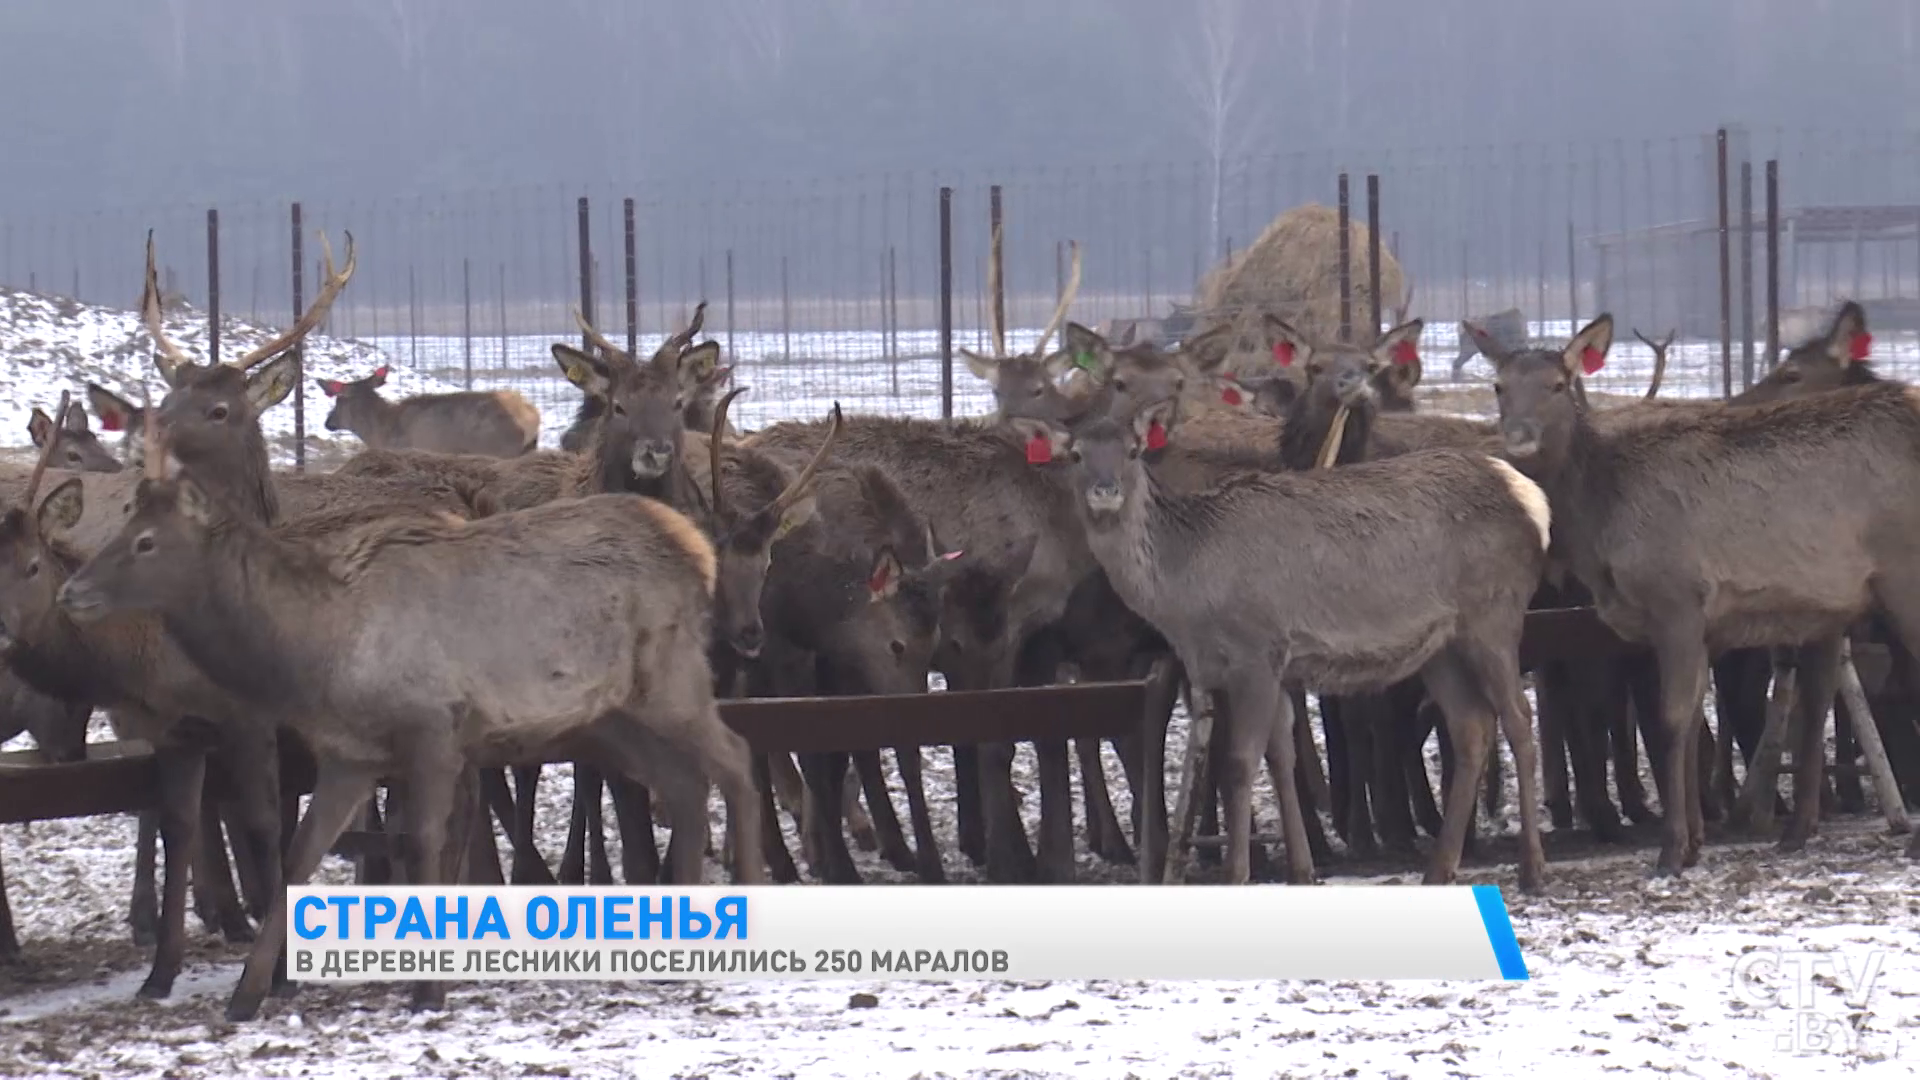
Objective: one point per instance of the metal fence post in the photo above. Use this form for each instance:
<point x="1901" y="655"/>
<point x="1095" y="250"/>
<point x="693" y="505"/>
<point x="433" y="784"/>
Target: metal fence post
<point x="1346" y="264"/>
<point x="1726" y="268"/>
<point x="946" y="303"/>
<point x="300" y="355"/>
<point x="586" y="269"/>
<point x="213" y="286"/>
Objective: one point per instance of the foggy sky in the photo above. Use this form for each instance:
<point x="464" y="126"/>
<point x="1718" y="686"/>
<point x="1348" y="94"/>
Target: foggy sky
<point x="115" y="103"/>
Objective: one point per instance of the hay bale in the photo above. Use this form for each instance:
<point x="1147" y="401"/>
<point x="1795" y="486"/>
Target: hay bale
<point x="1293" y="271"/>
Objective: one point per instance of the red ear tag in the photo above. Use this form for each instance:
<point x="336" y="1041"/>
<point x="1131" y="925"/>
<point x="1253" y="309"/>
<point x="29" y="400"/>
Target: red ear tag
<point x="1039" y="449"/>
<point x="333" y="387"/>
<point x="1231" y="395"/>
<point x="878" y="582"/>
<point x="1404" y="353"/>
<point x="1592" y="359"/>
<point x="110" y="421"/>
<point x="381" y="373"/>
<point x="1283" y="353"/>
<point x="1156" y="436"/>
<point x="1860" y="347"/>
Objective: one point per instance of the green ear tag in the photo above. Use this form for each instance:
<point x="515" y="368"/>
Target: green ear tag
<point x="1083" y="360"/>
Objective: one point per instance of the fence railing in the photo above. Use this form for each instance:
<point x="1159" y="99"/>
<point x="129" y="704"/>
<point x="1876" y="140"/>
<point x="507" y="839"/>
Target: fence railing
<point x="831" y="290"/>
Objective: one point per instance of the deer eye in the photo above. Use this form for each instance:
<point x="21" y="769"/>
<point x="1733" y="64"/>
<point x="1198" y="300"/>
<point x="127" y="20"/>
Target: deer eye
<point x="143" y="544"/>
<point x="1038" y="391"/>
<point x="1074" y="456"/>
<point x="899" y="647"/>
<point x="1120" y="385"/>
<point x="1789" y="374"/>
<point x="619" y="409"/>
<point x="33" y="568"/>
<point x="1560" y="387"/>
<point x="73" y="455"/>
<point x="218" y="413"/>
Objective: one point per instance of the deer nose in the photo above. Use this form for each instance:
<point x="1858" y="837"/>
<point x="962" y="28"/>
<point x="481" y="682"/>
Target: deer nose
<point x="1522" y="437"/>
<point x="651" y="459"/>
<point x="1350" y="385"/>
<point x="749" y="639"/>
<point x="1104" y="497"/>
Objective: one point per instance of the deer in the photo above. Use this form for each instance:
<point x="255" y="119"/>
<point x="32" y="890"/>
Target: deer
<point x="1432" y="558"/>
<point x="268" y="617"/>
<point x="701" y="376"/>
<point x="495" y="423"/>
<point x="219" y="906"/>
<point x="1696" y="575"/>
<point x="80" y="449"/>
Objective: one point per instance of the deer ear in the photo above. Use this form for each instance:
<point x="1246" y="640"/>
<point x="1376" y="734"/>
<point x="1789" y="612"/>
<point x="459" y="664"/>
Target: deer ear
<point x="116" y="413"/>
<point x="1400" y="346"/>
<point x="1045" y="441"/>
<point x="1087" y="350"/>
<point x="76" y="419"/>
<point x="1289" y="346"/>
<point x="985" y="368"/>
<point x="1848" y="341"/>
<point x="1587" y="352"/>
<point x="697" y="363"/>
<point x="1488" y="346"/>
<point x="798" y="514"/>
<point x="331" y="387"/>
<point x="1206" y="354"/>
<point x="379" y="378"/>
<point x="1269" y="395"/>
<point x="583" y="370"/>
<point x="715" y="377"/>
<point x="39" y="427"/>
<point x="62" y="507"/>
<point x="195" y="504"/>
<point x="883" y="581"/>
<point x="1153" y="424"/>
<point x="270" y="385"/>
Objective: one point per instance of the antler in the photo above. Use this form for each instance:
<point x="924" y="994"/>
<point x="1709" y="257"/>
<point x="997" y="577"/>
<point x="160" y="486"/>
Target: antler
<point x="46" y="452"/>
<point x="798" y="489"/>
<point x="713" y="451"/>
<point x="1406" y="302"/>
<point x="306" y="323"/>
<point x="993" y="293"/>
<point x="1066" y="301"/>
<point x="685" y="337"/>
<point x="155" y="453"/>
<point x="1659" y="358"/>
<point x="168" y="356"/>
<point x="595" y="337"/>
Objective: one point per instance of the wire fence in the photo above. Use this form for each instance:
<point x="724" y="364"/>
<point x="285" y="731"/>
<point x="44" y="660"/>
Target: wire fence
<point x="826" y="290"/>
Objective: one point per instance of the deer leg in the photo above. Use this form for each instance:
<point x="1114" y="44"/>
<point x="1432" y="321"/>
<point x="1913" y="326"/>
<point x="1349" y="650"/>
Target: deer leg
<point x="772" y="842"/>
<point x="1310" y="817"/>
<point x="482" y="861"/>
<point x="633" y="809"/>
<point x="1339" y="766"/>
<point x="787" y="789"/>
<point x="1054" y="863"/>
<point x="183" y="771"/>
<point x="1494" y="792"/>
<point x="926" y="847"/>
<point x="1549" y="684"/>
<point x="9" y="941"/>
<point x="1681" y="650"/>
<point x="434" y="795"/>
<point x="338" y="792"/>
<point x="586" y="793"/>
<point x="1819" y="666"/>
<point x="1009" y="856"/>
<point x="1210" y="795"/>
<point x="969" y="815"/>
<point x="1584" y="704"/>
<point x="1261" y="716"/>
<point x="143" y="913"/>
<point x="1850" y="797"/>
<point x="827" y="854"/>
<point x="859" y="824"/>
<point x="886" y="822"/>
<point x="1498" y="672"/>
<point x="1104" y="835"/>
<point x="529" y="868"/>
<point x="1420" y="785"/>
<point x="720" y="758"/>
<point x="1623" y="741"/>
<point x="1357" y="716"/>
<point x="1470" y="729"/>
<point x="215" y="900"/>
<point x="253" y="760"/>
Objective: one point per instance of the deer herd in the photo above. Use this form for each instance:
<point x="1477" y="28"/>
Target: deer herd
<point x="1247" y="526"/>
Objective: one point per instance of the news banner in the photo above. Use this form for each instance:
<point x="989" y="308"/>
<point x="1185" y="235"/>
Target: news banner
<point x="383" y="933"/>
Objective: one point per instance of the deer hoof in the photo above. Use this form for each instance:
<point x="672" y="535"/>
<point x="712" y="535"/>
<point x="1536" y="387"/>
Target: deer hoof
<point x="156" y="988"/>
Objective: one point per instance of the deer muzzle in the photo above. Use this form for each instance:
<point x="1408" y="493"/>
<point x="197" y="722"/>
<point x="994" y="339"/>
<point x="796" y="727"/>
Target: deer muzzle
<point x="1522" y="437"/>
<point x="651" y="459"/>
<point x="1104" y="499"/>
<point x="748" y="640"/>
<point x="80" y="601"/>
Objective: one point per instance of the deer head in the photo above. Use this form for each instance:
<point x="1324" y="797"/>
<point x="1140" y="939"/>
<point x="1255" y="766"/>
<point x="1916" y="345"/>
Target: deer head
<point x="644" y="404"/>
<point x="1840" y="356"/>
<point x="353" y="401"/>
<point x="1535" y="389"/>
<point x="80" y="449"/>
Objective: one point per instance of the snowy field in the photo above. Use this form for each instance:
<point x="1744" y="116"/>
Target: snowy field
<point x="1629" y="976"/>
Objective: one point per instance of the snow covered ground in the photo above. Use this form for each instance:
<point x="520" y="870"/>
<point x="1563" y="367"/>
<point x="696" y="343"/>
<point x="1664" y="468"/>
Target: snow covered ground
<point x="1630" y="976"/>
